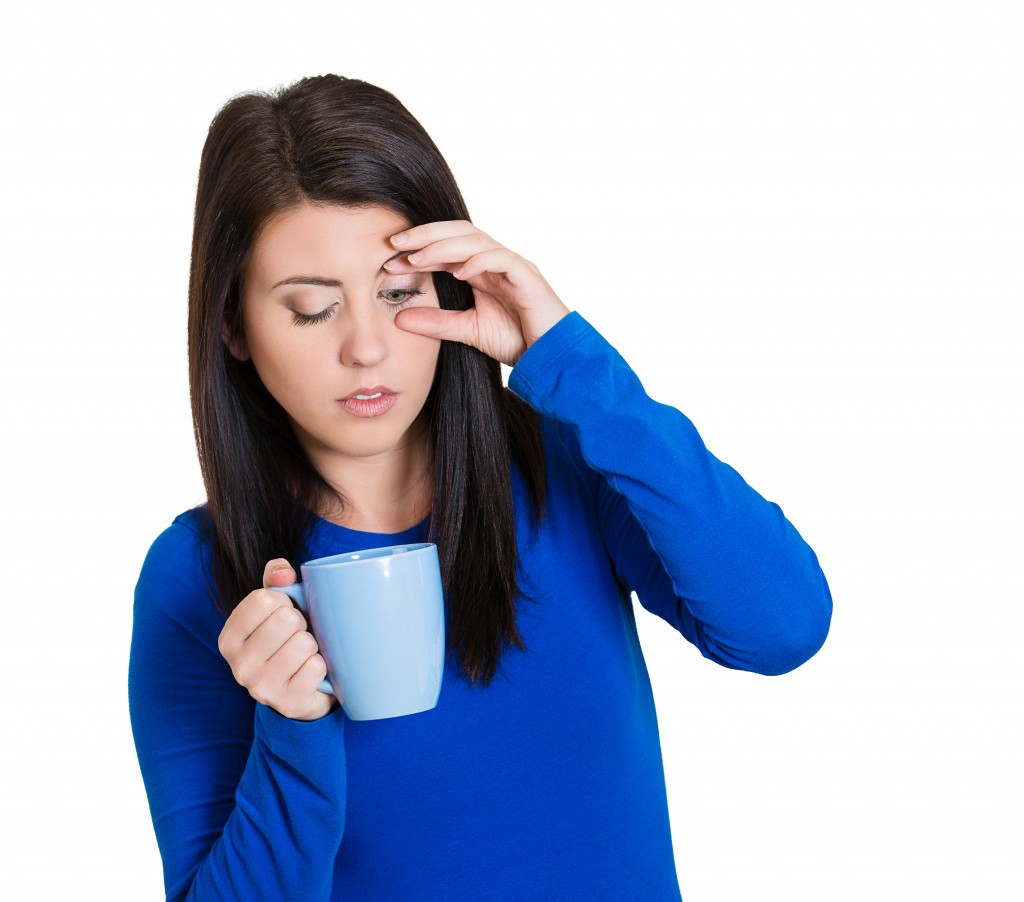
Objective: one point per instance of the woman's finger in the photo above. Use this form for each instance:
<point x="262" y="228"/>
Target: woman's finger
<point x="451" y="250"/>
<point x="465" y="263"/>
<point x="278" y="572"/>
<point x="288" y="658"/>
<point x="450" y="325"/>
<point x="499" y="260"/>
<point x="400" y="266"/>
<point x="495" y="333"/>
<point x="265" y="641"/>
<point x="422" y="235"/>
<point x="444" y="255"/>
<point x="255" y="609"/>
<point x="308" y="677"/>
<point x="287" y="683"/>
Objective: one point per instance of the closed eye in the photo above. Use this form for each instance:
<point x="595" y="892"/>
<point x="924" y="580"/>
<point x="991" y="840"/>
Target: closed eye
<point x="312" y="319"/>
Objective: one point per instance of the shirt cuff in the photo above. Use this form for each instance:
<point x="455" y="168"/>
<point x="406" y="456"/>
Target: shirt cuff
<point x="282" y="732"/>
<point x="540" y="363"/>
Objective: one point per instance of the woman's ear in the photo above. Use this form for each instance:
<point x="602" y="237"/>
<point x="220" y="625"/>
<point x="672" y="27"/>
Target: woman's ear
<point x="235" y="342"/>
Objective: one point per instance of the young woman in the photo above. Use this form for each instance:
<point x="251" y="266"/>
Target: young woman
<point x="346" y="324"/>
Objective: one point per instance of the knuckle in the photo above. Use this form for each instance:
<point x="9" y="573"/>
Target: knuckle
<point x="244" y="674"/>
<point x="288" y="618"/>
<point x="278" y="600"/>
<point x="262" y="690"/>
<point x="300" y="646"/>
<point x="262" y="599"/>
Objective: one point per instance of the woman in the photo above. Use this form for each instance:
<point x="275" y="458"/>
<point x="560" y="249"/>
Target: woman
<point x="346" y="325"/>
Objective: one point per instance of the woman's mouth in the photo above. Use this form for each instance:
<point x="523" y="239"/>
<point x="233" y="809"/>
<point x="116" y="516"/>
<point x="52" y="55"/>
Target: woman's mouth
<point x="369" y="402"/>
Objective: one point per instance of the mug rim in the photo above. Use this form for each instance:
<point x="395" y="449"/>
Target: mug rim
<point x="331" y="559"/>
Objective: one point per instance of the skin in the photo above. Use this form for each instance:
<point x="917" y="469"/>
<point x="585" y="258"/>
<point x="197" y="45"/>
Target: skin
<point x="381" y="462"/>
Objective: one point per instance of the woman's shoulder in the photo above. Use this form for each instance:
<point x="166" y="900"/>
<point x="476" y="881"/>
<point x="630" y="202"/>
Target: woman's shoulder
<point x="177" y="576"/>
<point x="185" y="539"/>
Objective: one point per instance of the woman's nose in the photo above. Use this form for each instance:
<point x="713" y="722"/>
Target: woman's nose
<point x="365" y="342"/>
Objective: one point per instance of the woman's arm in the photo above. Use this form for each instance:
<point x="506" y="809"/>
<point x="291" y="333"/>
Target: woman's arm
<point x="699" y="546"/>
<point x="246" y="804"/>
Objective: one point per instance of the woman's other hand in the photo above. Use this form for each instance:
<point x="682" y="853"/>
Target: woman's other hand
<point x="514" y="304"/>
<point x="272" y="653"/>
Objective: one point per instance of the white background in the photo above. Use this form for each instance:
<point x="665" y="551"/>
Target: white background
<point x="801" y="222"/>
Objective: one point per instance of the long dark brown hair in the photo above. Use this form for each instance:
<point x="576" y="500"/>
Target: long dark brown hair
<point x="335" y="140"/>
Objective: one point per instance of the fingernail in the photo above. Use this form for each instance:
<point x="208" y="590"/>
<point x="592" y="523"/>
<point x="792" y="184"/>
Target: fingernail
<point x="399" y="239"/>
<point x="280" y="569"/>
<point x="458" y="273"/>
<point x="414" y="258"/>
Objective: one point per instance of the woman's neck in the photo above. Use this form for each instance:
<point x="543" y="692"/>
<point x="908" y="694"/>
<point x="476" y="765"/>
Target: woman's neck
<point x="387" y="493"/>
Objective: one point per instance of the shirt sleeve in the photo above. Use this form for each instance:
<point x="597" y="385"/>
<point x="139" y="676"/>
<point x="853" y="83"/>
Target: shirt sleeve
<point x="246" y="804"/>
<point x="699" y="546"/>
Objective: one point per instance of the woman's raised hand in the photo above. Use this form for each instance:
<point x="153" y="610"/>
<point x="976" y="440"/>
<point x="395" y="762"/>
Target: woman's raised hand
<point x="514" y="304"/>
<point x="272" y="653"/>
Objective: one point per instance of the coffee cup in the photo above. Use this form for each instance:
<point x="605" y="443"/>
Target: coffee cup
<point x="378" y="617"/>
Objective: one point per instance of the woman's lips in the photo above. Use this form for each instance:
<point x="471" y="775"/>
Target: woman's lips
<point x="369" y="402"/>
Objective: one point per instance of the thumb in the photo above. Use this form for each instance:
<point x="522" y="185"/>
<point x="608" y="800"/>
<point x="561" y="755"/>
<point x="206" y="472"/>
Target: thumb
<point x="450" y="325"/>
<point x="278" y="573"/>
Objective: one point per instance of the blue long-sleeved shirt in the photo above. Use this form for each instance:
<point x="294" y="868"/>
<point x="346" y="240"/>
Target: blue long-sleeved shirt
<point x="548" y="784"/>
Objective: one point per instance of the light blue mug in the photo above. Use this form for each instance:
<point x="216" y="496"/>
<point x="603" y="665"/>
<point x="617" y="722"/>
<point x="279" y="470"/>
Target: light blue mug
<point x="378" y="617"/>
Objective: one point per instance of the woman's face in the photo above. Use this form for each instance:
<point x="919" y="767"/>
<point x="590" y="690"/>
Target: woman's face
<point x="318" y="321"/>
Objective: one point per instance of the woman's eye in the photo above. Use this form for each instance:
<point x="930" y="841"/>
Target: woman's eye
<point x="306" y="319"/>
<point x="400" y="297"/>
<point x="394" y="298"/>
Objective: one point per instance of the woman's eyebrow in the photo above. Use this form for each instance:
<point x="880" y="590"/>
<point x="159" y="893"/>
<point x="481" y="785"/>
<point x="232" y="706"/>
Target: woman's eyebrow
<point x="326" y="283"/>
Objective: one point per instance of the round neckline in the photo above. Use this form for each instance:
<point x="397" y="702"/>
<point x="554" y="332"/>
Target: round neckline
<point x="334" y="534"/>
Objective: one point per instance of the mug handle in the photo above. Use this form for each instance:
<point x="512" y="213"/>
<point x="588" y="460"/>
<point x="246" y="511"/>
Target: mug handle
<point x="294" y="592"/>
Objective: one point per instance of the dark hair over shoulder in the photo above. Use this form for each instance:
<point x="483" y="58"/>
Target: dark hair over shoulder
<point x="342" y="141"/>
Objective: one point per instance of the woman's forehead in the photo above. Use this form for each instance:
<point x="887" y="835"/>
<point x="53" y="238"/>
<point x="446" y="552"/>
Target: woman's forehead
<point x="335" y="239"/>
